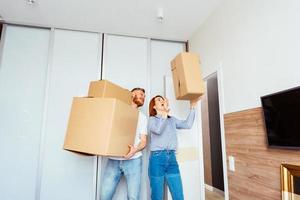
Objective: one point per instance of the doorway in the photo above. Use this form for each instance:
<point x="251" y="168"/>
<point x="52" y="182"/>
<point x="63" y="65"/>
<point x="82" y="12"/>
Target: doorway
<point x="212" y="140"/>
<point x="1" y="27"/>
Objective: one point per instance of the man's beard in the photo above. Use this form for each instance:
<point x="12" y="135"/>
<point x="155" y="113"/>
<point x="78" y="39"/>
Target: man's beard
<point x="138" y="102"/>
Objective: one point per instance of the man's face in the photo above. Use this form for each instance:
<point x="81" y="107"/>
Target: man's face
<point x="138" y="97"/>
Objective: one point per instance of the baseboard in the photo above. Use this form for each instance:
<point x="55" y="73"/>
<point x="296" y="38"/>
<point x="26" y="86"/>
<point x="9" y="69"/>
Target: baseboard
<point x="209" y="187"/>
<point x="213" y="189"/>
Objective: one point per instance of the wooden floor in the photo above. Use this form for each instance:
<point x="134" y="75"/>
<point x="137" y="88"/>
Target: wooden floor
<point x="213" y="195"/>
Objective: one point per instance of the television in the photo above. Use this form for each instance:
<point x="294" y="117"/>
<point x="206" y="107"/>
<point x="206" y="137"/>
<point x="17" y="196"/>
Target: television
<point x="282" y="118"/>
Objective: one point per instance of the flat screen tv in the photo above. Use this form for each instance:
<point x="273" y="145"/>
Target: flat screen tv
<point x="282" y="118"/>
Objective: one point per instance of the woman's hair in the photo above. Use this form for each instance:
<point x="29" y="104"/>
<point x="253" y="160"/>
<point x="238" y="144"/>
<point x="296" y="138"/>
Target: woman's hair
<point x="152" y="111"/>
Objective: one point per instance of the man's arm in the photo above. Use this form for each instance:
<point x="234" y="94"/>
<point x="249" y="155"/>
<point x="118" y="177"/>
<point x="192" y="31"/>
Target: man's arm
<point x="133" y="150"/>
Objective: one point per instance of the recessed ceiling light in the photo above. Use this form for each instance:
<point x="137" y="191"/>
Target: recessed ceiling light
<point x="30" y="2"/>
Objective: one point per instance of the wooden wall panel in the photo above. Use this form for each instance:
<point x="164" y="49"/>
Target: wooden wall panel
<point x="257" y="167"/>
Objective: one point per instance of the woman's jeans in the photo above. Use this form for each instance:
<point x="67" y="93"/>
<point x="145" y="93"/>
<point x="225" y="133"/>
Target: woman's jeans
<point x="131" y="169"/>
<point x="163" y="167"/>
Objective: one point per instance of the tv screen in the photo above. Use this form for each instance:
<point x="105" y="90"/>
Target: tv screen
<point x="282" y="118"/>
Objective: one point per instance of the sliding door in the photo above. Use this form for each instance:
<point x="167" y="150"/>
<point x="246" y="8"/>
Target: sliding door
<point x="125" y="62"/>
<point x="74" y="62"/>
<point x="162" y="52"/>
<point x="23" y="72"/>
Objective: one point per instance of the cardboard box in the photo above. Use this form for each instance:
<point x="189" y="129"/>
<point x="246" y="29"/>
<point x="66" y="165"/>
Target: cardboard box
<point x="101" y="126"/>
<point x="188" y="83"/>
<point x="104" y="88"/>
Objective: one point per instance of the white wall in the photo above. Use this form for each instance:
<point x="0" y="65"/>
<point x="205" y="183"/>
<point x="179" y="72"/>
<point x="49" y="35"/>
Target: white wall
<point x="256" y="43"/>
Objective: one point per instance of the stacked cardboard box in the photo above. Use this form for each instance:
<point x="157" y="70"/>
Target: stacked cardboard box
<point x="108" y="89"/>
<point x="104" y="123"/>
<point x="187" y="80"/>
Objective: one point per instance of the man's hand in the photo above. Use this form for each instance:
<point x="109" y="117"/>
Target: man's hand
<point x="131" y="152"/>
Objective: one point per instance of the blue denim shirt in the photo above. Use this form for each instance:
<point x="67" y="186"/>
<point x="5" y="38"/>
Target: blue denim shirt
<point x="163" y="133"/>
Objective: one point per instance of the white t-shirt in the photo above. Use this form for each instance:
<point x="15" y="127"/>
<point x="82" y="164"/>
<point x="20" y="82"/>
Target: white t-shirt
<point x="141" y="129"/>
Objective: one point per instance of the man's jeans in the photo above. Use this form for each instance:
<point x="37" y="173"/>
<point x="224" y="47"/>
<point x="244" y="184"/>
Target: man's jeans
<point x="163" y="166"/>
<point x="131" y="169"/>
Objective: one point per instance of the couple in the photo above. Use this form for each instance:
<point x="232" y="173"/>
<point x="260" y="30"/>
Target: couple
<point x="162" y="162"/>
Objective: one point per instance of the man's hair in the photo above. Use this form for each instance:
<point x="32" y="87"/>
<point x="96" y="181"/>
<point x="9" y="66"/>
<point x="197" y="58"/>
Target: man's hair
<point x="137" y="88"/>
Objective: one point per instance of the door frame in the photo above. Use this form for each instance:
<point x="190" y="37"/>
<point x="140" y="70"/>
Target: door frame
<point x="219" y="72"/>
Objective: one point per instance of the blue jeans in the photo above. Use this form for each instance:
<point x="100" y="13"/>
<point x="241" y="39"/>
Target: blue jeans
<point x="131" y="169"/>
<point x="163" y="167"/>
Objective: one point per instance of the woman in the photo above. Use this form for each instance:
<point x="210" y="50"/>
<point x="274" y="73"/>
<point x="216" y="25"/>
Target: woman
<point x="163" y="144"/>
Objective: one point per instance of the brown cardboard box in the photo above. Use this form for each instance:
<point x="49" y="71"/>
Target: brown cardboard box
<point x="104" y="88"/>
<point x="188" y="83"/>
<point x="101" y="126"/>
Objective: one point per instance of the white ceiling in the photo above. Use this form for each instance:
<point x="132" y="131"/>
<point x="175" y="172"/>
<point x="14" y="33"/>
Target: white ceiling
<point x="125" y="17"/>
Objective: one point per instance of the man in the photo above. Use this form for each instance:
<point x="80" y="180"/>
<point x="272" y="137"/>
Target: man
<point x="131" y="164"/>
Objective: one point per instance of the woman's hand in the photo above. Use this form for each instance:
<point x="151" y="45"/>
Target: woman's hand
<point x="166" y="105"/>
<point x="163" y="113"/>
<point x="193" y="102"/>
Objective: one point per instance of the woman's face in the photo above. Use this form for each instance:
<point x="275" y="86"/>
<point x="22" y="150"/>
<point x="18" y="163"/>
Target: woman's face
<point x="159" y="104"/>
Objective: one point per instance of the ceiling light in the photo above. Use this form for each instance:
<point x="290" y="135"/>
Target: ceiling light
<point x="160" y="15"/>
<point x="30" y="2"/>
